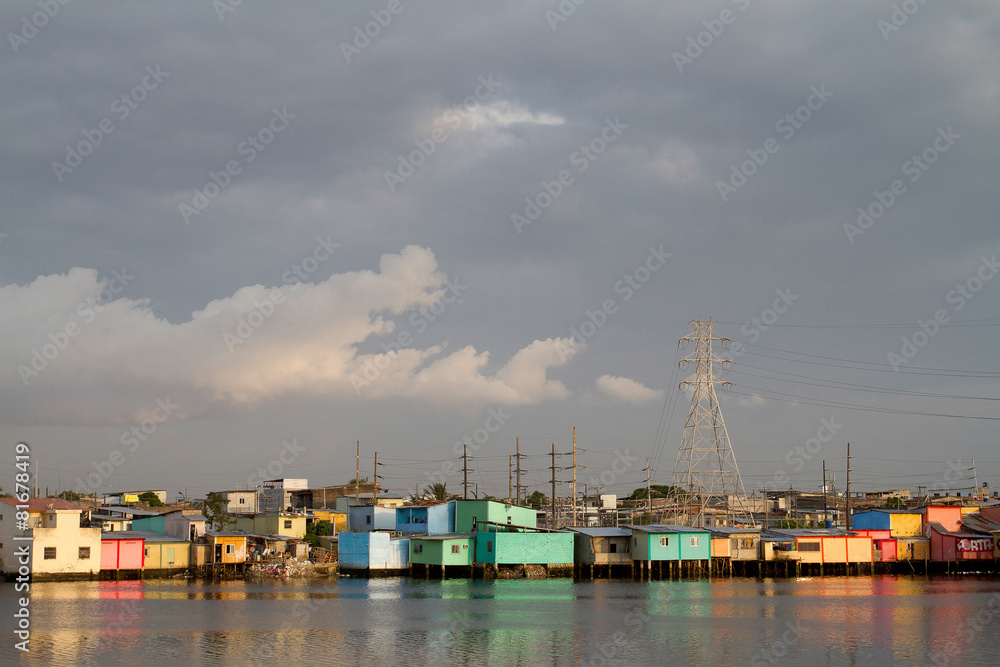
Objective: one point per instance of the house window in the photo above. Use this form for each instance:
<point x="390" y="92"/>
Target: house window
<point x="664" y="541"/>
<point x="50" y="553"/>
<point x="418" y="548"/>
<point x="288" y="523"/>
<point x="489" y="547"/>
<point x="613" y="549"/>
<point x="230" y="548"/>
<point x="635" y="541"/>
<point x="508" y="521"/>
<point x="368" y="519"/>
<point x="694" y="540"/>
<point x="170" y="556"/>
<point x="145" y="552"/>
<point x="84" y="553"/>
<point x="809" y="546"/>
<point x="454" y="548"/>
<point x="242" y="500"/>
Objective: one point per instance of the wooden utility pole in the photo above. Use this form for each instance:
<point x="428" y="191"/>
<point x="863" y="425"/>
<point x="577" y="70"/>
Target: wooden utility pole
<point x="465" y="472"/>
<point x="824" y="493"/>
<point x="767" y="509"/>
<point x="375" y="480"/>
<point x="357" y="477"/>
<point x="649" y="498"/>
<point x="510" y="478"/>
<point x="554" y="521"/>
<point x="847" y="519"/>
<point x="574" y="476"/>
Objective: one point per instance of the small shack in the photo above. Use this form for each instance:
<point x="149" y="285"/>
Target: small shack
<point x="425" y="519"/>
<point x="373" y="554"/>
<point x="601" y="551"/>
<point x="957" y="550"/>
<point x="437" y="553"/>
<point x="735" y="547"/>
<point x="825" y="551"/>
<point x="164" y="555"/>
<point x="122" y="555"/>
<point x="227" y="553"/>
<point x="510" y="550"/>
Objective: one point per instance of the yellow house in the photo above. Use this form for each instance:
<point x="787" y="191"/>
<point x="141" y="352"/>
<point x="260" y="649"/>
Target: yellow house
<point x="165" y="552"/>
<point x="226" y="547"/>
<point x="288" y="525"/>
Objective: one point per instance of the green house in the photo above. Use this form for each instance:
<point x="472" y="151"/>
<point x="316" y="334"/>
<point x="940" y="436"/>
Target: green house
<point x="524" y="548"/>
<point x="470" y="513"/>
<point x="156" y="524"/>
<point x="670" y="543"/>
<point x="444" y="549"/>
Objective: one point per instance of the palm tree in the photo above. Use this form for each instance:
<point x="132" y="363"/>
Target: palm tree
<point x="437" y="491"/>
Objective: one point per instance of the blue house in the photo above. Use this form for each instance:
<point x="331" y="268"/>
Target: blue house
<point x="371" y="554"/>
<point x="426" y="520"/>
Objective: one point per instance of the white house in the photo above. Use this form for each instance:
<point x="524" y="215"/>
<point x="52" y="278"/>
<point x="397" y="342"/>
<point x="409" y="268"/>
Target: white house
<point x="60" y="547"/>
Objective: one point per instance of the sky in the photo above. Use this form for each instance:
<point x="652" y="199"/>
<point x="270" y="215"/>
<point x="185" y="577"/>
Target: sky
<point x="241" y="241"/>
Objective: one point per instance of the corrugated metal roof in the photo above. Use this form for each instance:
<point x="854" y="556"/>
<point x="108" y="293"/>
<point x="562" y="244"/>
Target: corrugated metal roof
<point x="147" y="535"/>
<point x="601" y="531"/>
<point x="444" y="536"/>
<point x="732" y="530"/>
<point x="122" y="509"/>
<point x="980" y="523"/>
<point x="668" y="528"/>
<point x="42" y="504"/>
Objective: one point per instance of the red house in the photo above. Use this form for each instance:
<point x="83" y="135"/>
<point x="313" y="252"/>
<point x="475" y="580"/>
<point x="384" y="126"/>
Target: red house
<point x="953" y="546"/>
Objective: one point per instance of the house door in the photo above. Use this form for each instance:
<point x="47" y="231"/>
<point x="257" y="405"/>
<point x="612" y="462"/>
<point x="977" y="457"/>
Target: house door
<point x="218" y="553"/>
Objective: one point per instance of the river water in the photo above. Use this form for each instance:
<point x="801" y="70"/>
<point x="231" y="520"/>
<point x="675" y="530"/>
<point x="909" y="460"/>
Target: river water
<point x="818" y="621"/>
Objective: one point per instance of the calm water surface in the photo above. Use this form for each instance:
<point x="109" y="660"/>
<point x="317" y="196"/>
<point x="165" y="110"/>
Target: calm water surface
<point x="818" y="621"/>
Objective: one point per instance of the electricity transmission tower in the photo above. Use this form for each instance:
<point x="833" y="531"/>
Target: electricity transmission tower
<point x="705" y="467"/>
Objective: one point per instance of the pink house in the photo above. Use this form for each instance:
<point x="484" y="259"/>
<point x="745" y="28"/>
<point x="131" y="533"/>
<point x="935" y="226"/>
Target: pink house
<point x="949" y="516"/>
<point x="122" y="551"/>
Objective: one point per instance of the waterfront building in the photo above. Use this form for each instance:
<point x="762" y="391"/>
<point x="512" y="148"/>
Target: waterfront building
<point x="884" y="545"/>
<point x="503" y="545"/>
<point x="374" y="552"/>
<point x="426" y="519"/>
<point x="226" y="547"/>
<point x="337" y="520"/>
<point x="122" y="555"/>
<point x="953" y="546"/>
<point x="277" y="493"/>
<point x="61" y="548"/>
<point x="601" y="549"/>
<point x="163" y="554"/>
<point x="370" y="518"/>
<point x="822" y="547"/>
<point x="441" y="551"/>
<point x="949" y="516"/>
<point x="470" y="513"/>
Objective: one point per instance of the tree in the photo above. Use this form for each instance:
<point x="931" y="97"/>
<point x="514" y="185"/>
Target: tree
<point x="894" y="501"/>
<point x="657" y="491"/>
<point x="537" y="499"/>
<point x="151" y="499"/>
<point x="487" y="496"/>
<point x="71" y="496"/>
<point x="437" y="491"/>
<point x="215" y="512"/>
<point x="355" y="480"/>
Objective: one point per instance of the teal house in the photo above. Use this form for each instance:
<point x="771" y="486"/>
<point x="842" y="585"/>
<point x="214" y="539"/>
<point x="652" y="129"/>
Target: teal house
<point x="436" y="553"/>
<point x="470" y="514"/>
<point x="669" y="543"/>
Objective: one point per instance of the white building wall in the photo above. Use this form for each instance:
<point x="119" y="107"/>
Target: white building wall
<point x="58" y="529"/>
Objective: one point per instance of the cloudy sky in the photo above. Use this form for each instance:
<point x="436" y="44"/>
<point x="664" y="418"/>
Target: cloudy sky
<point x="242" y="238"/>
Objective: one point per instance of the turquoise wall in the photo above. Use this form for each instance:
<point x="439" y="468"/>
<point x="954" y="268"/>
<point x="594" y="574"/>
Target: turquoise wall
<point x="524" y="548"/>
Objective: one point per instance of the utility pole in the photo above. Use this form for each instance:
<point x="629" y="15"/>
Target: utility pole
<point x="357" y="477"/>
<point x="465" y="471"/>
<point x="554" y="522"/>
<point x="574" y="475"/>
<point x="518" y="445"/>
<point x="766" y="508"/>
<point x="510" y="478"/>
<point x="847" y="519"/>
<point x="824" y="493"/>
<point x="975" y="477"/>
<point x="375" y="479"/>
<point x="649" y="498"/>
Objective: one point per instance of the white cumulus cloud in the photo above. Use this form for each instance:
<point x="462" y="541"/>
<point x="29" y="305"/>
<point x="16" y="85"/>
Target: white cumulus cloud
<point x="625" y="390"/>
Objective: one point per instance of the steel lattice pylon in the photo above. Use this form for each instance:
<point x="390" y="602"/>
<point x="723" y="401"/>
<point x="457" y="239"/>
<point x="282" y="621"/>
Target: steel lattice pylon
<point x="706" y="467"/>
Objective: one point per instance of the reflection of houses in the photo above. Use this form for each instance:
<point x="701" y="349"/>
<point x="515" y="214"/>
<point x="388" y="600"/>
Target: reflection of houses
<point x="60" y="548"/>
<point x="603" y="549"/>
<point x="684" y="550"/>
<point x="439" y="552"/>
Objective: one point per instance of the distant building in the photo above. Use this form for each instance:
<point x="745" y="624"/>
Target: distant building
<point x="245" y="501"/>
<point x="904" y="494"/>
<point x="286" y="525"/>
<point x="277" y="493"/>
<point x="325" y="497"/>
